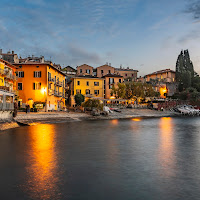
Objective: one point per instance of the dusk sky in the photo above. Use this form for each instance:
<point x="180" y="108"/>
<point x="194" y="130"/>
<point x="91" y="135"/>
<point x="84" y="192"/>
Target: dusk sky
<point x="146" y="35"/>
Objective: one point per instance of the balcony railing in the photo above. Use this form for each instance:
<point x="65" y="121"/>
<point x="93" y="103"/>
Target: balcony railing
<point x="59" y="83"/>
<point x="6" y="106"/>
<point x="7" y="89"/>
<point x="50" y="92"/>
<point x="10" y="76"/>
<point x="51" y="80"/>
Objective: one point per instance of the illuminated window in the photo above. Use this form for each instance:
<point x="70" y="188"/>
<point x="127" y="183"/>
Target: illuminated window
<point x="37" y="86"/>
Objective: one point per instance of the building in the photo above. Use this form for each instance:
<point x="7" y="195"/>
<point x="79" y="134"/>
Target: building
<point x="163" y="82"/>
<point x="127" y="73"/>
<point x="7" y="89"/>
<point x="111" y="80"/>
<point x="85" y="70"/>
<point x="104" y="70"/>
<point x="89" y="86"/>
<point x="41" y="85"/>
<point x="166" y="75"/>
<point x="10" y="57"/>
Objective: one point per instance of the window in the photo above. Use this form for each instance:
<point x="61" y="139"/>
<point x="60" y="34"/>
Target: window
<point x="96" y="83"/>
<point x="21" y="74"/>
<point x="109" y="71"/>
<point x="87" y="91"/>
<point x="37" y="74"/>
<point x="125" y="74"/>
<point x="78" y="91"/>
<point x="19" y="86"/>
<point x="111" y="80"/>
<point x="88" y="71"/>
<point x="96" y="92"/>
<point x="20" y="66"/>
<point x="120" y="80"/>
<point x="110" y="86"/>
<point x="102" y="71"/>
<point x="132" y="74"/>
<point x="81" y="70"/>
<point x="78" y="82"/>
<point x="36" y="86"/>
<point x="49" y="76"/>
<point x="87" y="83"/>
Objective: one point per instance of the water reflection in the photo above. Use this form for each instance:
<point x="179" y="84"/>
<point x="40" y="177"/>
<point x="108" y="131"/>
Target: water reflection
<point x="114" y="121"/>
<point x="136" y="119"/>
<point x="42" y="178"/>
<point x="166" y="148"/>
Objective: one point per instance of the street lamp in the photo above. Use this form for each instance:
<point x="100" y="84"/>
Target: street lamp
<point x="44" y="90"/>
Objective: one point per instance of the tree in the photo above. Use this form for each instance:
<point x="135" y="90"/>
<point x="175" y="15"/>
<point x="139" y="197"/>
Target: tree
<point x="79" y="99"/>
<point x="93" y="103"/>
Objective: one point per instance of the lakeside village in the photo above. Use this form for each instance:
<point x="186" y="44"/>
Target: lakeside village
<point x="35" y="85"/>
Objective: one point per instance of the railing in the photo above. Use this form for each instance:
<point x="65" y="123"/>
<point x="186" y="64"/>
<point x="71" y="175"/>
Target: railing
<point x="7" y="89"/>
<point x="59" y="83"/>
<point x="10" y="76"/>
<point x="60" y="94"/>
<point x="55" y="93"/>
<point x="6" y="106"/>
<point x="51" y="79"/>
<point x="50" y="92"/>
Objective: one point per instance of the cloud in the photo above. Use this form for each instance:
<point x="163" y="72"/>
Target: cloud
<point x="193" y="35"/>
<point x="80" y="54"/>
<point x="193" y="8"/>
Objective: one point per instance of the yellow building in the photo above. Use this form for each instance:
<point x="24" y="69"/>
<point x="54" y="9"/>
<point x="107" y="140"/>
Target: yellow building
<point x="89" y="86"/>
<point x="7" y="89"/>
<point x="41" y="84"/>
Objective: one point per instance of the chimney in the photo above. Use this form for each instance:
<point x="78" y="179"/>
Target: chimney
<point x="120" y="66"/>
<point x="109" y="64"/>
<point x="13" y="52"/>
<point x="127" y="67"/>
<point x="1" y="51"/>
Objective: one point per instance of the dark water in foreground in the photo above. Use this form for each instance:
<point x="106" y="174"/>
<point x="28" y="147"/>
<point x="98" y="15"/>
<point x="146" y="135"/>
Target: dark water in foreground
<point x="117" y="159"/>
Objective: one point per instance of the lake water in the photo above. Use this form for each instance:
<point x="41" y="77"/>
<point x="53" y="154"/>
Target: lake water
<point x="141" y="159"/>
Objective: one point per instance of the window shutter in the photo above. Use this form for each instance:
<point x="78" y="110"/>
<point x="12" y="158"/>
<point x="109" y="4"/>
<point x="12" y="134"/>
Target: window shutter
<point x="22" y="74"/>
<point x="34" y="86"/>
<point x="34" y="74"/>
<point x="40" y="74"/>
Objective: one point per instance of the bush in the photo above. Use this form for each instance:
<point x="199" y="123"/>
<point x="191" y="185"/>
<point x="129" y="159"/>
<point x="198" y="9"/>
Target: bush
<point x="93" y="103"/>
<point x="79" y="99"/>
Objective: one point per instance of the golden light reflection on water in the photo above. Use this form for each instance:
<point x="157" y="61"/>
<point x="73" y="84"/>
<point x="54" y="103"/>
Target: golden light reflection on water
<point x="42" y="180"/>
<point x="114" y="121"/>
<point x="166" y="148"/>
<point x="137" y="119"/>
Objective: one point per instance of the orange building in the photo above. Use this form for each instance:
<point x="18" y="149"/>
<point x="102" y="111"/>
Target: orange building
<point x="110" y="81"/>
<point x="104" y="70"/>
<point x="41" y="85"/>
<point x="166" y="75"/>
<point x="84" y="70"/>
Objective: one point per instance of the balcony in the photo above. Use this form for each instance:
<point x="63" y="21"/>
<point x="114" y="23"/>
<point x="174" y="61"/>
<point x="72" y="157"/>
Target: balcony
<point x="10" y="76"/>
<point x="60" y="94"/>
<point x="6" y="106"/>
<point x="50" y="92"/>
<point x="59" y="83"/>
<point x="51" y="80"/>
<point x="7" y="89"/>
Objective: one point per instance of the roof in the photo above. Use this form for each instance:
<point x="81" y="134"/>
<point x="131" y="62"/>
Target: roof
<point x="84" y="64"/>
<point x="87" y="76"/>
<point x="7" y="63"/>
<point x="112" y="75"/>
<point x="119" y="69"/>
<point x="105" y="65"/>
<point x="69" y="67"/>
<point x="38" y="63"/>
<point x="161" y="72"/>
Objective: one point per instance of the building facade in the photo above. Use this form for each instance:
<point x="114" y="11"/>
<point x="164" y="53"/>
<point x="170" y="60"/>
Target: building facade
<point x="127" y="73"/>
<point x="41" y="85"/>
<point x="111" y="80"/>
<point x="104" y="70"/>
<point x="89" y="86"/>
<point x="7" y="89"/>
<point x="85" y="70"/>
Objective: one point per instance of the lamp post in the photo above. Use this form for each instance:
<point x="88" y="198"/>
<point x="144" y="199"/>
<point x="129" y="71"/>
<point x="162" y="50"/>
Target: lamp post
<point x="45" y="96"/>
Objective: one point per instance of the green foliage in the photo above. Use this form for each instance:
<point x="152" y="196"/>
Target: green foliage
<point x="93" y="103"/>
<point x="79" y="99"/>
<point x="133" y="89"/>
<point x="188" y="94"/>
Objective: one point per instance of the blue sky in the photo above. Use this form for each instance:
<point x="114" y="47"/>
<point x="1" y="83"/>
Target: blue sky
<point x="146" y="35"/>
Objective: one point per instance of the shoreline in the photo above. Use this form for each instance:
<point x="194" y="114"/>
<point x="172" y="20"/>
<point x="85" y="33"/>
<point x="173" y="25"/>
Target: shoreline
<point x="30" y="119"/>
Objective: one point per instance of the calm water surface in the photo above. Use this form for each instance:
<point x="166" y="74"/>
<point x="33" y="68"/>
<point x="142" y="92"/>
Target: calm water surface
<point x="117" y="159"/>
